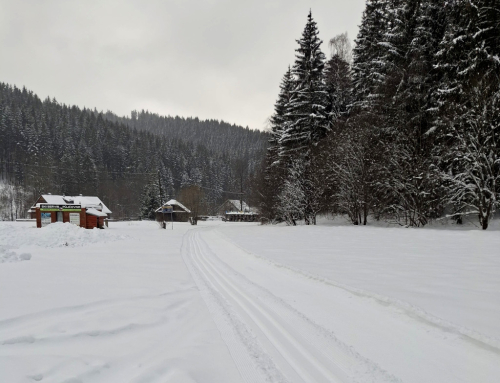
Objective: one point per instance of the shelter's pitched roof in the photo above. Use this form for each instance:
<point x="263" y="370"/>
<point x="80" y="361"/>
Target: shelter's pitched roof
<point x="95" y="212"/>
<point x="89" y="201"/>
<point x="174" y="202"/>
<point x="54" y="199"/>
<point x="84" y="201"/>
<point x="239" y="205"/>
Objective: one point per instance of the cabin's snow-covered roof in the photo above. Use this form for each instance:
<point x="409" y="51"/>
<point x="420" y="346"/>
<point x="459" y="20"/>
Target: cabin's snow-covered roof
<point x="239" y="205"/>
<point x="95" y="212"/>
<point x="54" y="199"/>
<point x="174" y="202"/>
<point x="84" y="201"/>
<point x="89" y="201"/>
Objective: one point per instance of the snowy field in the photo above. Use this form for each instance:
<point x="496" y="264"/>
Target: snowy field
<point x="235" y="302"/>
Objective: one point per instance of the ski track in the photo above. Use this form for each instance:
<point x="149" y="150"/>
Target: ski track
<point x="284" y="344"/>
<point x="252" y="362"/>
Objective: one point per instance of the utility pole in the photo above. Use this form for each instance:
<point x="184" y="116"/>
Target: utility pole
<point x="161" y="198"/>
<point x="241" y="193"/>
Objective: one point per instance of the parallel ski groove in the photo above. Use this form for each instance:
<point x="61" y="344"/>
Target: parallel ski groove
<point x="295" y="342"/>
<point x="252" y="362"/>
<point x="313" y="353"/>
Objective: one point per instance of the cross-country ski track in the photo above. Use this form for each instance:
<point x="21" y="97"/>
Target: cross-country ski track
<point x="282" y="326"/>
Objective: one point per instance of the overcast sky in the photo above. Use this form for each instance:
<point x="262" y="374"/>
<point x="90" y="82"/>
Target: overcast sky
<point x="215" y="59"/>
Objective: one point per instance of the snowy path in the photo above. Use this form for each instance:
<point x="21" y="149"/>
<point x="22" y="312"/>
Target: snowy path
<point x="294" y="328"/>
<point x="284" y="344"/>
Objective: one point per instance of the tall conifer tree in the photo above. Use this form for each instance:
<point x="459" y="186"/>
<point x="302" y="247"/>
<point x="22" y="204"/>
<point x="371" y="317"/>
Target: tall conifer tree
<point x="276" y="166"/>
<point x="307" y="122"/>
<point x="308" y="118"/>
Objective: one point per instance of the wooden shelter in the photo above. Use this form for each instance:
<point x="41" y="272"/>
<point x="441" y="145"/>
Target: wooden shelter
<point x="172" y="210"/>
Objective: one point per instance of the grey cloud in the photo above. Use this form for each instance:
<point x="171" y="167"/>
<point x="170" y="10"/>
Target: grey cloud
<point x="211" y="59"/>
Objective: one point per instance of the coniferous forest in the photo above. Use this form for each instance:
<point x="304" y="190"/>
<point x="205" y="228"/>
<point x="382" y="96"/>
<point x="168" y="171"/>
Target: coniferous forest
<point x="407" y="131"/>
<point x="49" y="147"/>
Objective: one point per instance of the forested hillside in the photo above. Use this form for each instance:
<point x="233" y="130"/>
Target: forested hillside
<point x="218" y="136"/>
<point x="49" y="147"/>
<point x="409" y="131"/>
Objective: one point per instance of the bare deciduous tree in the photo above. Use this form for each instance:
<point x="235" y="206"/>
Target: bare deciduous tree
<point x="193" y="198"/>
<point x="341" y="46"/>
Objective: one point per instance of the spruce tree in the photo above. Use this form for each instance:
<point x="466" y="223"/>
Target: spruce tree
<point x="307" y="119"/>
<point x="307" y="110"/>
<point x="151" y="199"/>
<point x="275" y="166"/>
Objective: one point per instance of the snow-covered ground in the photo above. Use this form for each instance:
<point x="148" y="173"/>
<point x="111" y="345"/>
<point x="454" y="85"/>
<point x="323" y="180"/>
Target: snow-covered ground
<point x="235" y="302"/>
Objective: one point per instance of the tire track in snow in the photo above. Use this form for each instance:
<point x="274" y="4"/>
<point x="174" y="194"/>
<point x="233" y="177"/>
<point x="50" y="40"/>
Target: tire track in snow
<point x="302" y="349"/>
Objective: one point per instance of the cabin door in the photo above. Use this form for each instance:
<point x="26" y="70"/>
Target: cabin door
<point x="59" y="216"/>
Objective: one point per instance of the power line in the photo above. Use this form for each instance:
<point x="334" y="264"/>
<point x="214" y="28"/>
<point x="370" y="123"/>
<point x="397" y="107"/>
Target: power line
<point x="64" y="168"/>
<point x="112" y="172"/>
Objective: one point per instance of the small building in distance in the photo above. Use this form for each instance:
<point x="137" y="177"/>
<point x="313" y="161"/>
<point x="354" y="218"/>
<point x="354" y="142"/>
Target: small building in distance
<point x="83" y="211"/>
<point x="178" y="212"/>
<point x="235" y="210"/>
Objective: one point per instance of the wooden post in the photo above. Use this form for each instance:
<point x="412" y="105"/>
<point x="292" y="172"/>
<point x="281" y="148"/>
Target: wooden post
<point x="83" y="218"/>
<point x="38" y="218"/>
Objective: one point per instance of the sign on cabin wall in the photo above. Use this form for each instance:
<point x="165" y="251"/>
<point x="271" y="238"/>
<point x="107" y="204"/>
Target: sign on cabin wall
<point x="74" y="218"/>
<point x="168" y="209"/>
<point x="48" y="207"/>
<point x="46" y="219"/>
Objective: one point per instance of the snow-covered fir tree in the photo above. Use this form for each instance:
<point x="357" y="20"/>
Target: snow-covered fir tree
<point x="307" y="115"/>
<point x="276" y="166"/>
<point x="151" y="199"/>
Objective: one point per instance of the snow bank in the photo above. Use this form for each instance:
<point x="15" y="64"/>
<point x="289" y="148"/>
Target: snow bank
<point x="15" y="235"/>
<point x="8" y="256"/>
